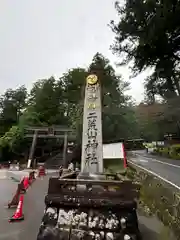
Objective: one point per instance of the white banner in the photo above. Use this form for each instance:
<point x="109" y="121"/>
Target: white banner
<point x="113" y="150"/>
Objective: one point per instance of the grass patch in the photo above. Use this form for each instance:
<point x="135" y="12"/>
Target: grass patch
<point x="113" y="165"/>
<point x="159" y="198"/>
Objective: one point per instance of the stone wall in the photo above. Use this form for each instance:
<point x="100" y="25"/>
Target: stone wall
<point x="158" y="198"/>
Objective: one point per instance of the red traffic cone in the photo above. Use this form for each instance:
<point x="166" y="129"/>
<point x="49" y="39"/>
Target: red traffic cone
<point x="41" y="171"/>
<point x="15" y="200"/>
<point x="18" y="215"/>
<point x="26" y="183"/>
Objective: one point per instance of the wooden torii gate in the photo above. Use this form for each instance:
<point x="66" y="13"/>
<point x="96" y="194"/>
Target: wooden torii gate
<point x="59" y="132"/>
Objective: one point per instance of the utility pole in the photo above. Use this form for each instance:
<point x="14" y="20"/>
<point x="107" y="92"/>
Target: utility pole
<point x="65" y="150"/>
<point x="31" y="154"/>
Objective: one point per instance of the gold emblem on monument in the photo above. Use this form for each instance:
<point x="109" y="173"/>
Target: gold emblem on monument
<point x="92" y="79"/>
<point x="91" y="106"/>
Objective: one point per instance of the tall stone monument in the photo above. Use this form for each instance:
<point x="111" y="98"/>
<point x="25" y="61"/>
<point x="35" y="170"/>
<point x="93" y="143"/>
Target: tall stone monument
<point x="92" y="149"/>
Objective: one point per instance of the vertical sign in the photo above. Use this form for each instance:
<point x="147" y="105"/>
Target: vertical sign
<point x="51" y="131"/>
<point x="92" y="149"/>
<point x="32" y="150"/>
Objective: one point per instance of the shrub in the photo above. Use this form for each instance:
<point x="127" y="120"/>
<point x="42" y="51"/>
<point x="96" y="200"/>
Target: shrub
<point x="158" y="198"/>
<point x="172" y="151"/>
<point x="165" y="151"/>
<point x="175" y="151"/>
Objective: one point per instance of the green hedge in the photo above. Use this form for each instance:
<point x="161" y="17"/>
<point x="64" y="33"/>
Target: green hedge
<point x="172" y="151"/>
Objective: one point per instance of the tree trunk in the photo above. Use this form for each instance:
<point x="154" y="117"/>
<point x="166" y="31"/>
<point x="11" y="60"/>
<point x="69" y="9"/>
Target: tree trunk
<point x="176" y="82"/>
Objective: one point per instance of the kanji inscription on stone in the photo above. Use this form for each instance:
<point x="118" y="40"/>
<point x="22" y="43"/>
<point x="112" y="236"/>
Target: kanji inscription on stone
<point x="92" y="150"/>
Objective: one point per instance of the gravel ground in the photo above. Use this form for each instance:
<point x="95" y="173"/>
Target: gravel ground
<point x="33" y="212"/>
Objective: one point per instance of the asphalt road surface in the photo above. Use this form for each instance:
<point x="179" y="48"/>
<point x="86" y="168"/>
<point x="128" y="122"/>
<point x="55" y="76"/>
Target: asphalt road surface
<point x="162" y="167"/>
<point x="33" y="211"/>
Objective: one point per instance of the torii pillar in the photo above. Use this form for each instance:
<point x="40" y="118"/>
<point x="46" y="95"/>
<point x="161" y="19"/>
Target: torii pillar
<point x="92" y="148"/>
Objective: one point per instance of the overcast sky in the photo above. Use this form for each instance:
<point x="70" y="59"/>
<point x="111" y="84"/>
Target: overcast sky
<point x="41" y="38"/>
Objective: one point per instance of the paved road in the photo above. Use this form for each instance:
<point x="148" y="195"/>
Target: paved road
<point x="166" y="168"/>
<point x="33" y="211"/>
<point x="7" y="190"/>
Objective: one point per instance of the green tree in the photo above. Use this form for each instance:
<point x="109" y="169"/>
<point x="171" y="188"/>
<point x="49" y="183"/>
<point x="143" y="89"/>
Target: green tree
<point x="47" y="103"/>
<point x="147" y="35"/>
<point x="172" y="115"/>
<point x="73" y="83"/>
<point x="12" y="104"/>
<point x="60" y="102"/>
<point x="155" y="120"/>
<point x="118" y="116"/>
